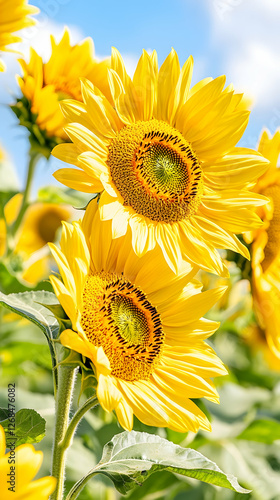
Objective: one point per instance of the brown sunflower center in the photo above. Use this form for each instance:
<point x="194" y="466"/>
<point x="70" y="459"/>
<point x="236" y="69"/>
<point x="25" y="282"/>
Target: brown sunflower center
<point x="48" y="224"/>
<point x="118" y="316"/>
<point x="272" y="247"/>
<point x="156" y="171"/>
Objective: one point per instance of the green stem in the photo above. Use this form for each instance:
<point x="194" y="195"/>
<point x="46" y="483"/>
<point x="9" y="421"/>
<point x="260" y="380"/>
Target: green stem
<point x="79" y="486"/>
<point x="88" y="405"/>
<point x="34" y="157"/>
<point x="66" y="379"/>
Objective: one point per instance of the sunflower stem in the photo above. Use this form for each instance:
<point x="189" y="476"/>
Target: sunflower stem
<point x="33" y="160"/>
<point x="79" y="486"/>
<point x="88" y="405"/>
<point x="66" y="381"/>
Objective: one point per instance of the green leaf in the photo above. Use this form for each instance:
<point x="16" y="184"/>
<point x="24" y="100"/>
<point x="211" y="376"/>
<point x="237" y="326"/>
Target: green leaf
<point x="55" y="194"/>
<point x="131" y="457"/>
<point x="29" y="305"/>
<point x="24" y="426"/>
<point x="4" y="413"/>
<point x="261" y="430"/>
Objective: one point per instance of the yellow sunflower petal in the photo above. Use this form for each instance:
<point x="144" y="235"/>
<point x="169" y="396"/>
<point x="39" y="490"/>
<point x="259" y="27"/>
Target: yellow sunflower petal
<point x="144" y="81"/>
<point x="79" y="180"/>
<point x="70" y="339"/>
<point x="125" y="415"/>
<point x="102" y="114"/>
<point x="167" y="80"/>
<point x="39" y="489"/>
<point x="197" y="305"/>
<point x="108" y="393"/>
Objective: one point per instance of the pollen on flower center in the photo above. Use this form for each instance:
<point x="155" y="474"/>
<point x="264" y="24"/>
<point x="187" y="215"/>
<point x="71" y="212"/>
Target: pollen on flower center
<point x="156" y="171"/>
<point x="118" y="316"/>
<point x="273" y="232"/>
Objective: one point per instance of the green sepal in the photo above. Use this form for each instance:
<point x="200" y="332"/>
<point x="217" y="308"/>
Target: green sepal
<point x="59" y="313"/>
<point x="86" y="368"/>
<point x="88" y="380"/>
<point x="40" y="142"/>
<point x="242" y="263"/>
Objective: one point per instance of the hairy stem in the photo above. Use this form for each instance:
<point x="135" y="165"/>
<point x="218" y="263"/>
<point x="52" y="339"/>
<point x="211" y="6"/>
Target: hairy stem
<point x="79" y="486"/>
<point x="88" y="405"/>
<point x="66" y="380"/>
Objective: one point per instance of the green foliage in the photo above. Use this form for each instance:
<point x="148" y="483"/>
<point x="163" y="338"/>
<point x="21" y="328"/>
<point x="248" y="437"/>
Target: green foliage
<point x="131" y="457"/>
<point x="59" y="195"/>
<point x="29" y="305"/>
<point x="27" y="426"/>
<point x="261" y="430"/>
<point x="10" y="279"/>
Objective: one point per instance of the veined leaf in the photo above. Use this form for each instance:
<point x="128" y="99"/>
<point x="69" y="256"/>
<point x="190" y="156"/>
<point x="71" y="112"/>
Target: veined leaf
<point x="131" y="457"/>
<point x="29" y="305"/>
<point x="24" y="426"/>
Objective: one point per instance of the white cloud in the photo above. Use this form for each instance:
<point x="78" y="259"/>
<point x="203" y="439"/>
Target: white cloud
<point x="257" y="72"/>
<point x="130" y="61"/>
<point x="248" y="33"/>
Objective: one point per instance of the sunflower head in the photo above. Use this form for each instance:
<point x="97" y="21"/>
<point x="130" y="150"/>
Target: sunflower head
<point x="15" y="15"/>
<point x="139" y="324"/>
<point x="256" y="338"/>
<point x="162" y="156"/>
<point x="41" y="222"/>
<point x="45" y="85"/>
<point x="266" y="240"/>
<point x="266" y="247"/>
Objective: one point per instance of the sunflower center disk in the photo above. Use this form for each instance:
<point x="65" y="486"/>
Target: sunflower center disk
<point x="271" y="250"/>
<point x="118" y="316"/>
<point x="67" y="89"/>
<point x="48" y="225"/>
<point x="156" y="171"/>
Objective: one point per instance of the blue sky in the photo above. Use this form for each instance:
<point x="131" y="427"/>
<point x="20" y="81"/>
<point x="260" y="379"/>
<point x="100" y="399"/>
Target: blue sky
<point x="239" y="38"/>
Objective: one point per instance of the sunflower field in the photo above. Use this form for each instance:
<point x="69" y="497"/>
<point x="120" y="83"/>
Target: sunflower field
<point x="139" y="250"/>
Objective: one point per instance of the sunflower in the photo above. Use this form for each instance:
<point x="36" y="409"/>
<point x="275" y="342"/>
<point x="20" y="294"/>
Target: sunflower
<point x="20" y="466"/>
<point x="45" y="85"/>
<point x="139" y="324"/>
<point x="266" y="247"/>
<point x="14" y="17"/>
<point x="163" y="158"/>
<point x="255" y="337"/>
<point x="40" y="225"/>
